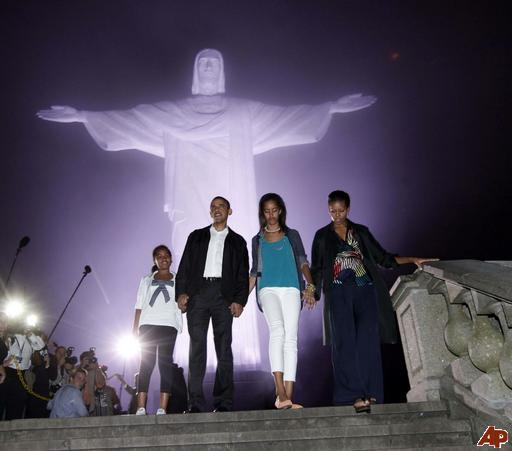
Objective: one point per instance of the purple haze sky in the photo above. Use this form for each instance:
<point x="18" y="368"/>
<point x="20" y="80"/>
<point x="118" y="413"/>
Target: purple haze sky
<point x="428" y="166"/>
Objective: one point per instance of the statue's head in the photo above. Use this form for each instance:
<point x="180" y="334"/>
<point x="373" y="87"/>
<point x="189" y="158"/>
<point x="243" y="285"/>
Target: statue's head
<point x="208" y="76"/>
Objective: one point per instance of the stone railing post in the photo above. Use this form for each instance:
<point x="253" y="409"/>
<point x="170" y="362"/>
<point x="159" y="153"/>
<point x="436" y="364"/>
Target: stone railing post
<point x="455" y="320"/>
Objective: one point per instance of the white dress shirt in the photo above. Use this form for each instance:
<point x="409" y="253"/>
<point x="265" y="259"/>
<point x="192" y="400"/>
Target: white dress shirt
<point x="213" y="266"/>
<point x="22" y="347"/>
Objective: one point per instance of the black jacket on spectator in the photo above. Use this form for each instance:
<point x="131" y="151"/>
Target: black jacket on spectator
<point x="36" y="408"/>
<point x="3" y="350"/>
<point x="235" y="266"/>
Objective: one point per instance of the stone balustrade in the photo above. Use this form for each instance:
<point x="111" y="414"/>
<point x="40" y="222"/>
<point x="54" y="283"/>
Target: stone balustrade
<point x="455" y="320"/>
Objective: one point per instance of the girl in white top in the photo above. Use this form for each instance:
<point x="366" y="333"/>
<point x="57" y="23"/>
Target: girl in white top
<point x="157" y="322"/>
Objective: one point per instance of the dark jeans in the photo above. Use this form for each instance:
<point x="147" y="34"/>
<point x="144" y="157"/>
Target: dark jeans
<point x="155" y="339"/>
<point x="209" y="303"/>
<point x="356" y="359"/>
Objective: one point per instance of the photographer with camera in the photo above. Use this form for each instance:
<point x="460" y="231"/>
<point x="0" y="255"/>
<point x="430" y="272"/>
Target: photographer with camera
<point x="64" y="362"/>
<point x="68" y="401"/>
<point x="96" y="381"/>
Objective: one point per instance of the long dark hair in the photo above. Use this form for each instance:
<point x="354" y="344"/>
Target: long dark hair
<point x="160" y="247"/>
<point x="278" y="200"/>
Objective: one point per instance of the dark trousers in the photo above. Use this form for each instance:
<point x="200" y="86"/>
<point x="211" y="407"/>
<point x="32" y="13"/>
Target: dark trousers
<point x="356" y="359"/>
<point x="153" y="340"/>
<point x="209" y="303"/>
<point x="14" y="395"/>
<point x="36" y="408"/>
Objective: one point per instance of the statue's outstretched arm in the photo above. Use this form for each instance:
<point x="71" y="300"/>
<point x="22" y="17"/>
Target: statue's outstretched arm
<point x="138" y="128"/>
<point x="63" y="114"/>
<point x="352" y="102"/>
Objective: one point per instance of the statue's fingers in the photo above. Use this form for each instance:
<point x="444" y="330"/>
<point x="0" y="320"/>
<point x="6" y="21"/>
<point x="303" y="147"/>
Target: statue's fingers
<point x="45" y="114"/>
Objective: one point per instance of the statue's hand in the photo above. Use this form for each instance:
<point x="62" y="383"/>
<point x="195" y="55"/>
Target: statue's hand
<point x="61" y="114"/>
<point x="352" y="102"/>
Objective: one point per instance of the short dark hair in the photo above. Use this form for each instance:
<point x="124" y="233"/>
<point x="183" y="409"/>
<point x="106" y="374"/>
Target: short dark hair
<point x="221" y="198"/>
<point x="339" y="196"/>
<point x="280" y="204"/>
<point x="160" y="247"/>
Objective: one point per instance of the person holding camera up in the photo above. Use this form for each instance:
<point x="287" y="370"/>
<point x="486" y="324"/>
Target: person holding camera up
<point x="64" y="362"/>
<point x="96" y="379"/>
<point x="157" y="322"/>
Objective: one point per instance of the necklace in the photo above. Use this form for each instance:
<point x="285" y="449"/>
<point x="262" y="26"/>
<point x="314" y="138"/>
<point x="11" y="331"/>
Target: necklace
<point x="271" y="231"/>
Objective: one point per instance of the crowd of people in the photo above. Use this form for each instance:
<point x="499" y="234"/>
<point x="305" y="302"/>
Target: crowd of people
<point x="38" y="382"/>
<point x="213" y="283"/>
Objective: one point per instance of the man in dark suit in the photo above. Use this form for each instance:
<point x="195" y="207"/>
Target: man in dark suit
<point x="212" y="283"/>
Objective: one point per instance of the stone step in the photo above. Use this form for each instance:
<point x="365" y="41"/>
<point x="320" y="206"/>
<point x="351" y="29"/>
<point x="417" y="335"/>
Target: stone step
<point x="392" y="426"/>
<point x="131" y="426"/>
<point x="419" y="434"/>
<point x="433" y="448"/>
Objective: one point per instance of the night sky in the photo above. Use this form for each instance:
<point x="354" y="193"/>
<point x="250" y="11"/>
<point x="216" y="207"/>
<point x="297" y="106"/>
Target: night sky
<point x="428" y="166"/>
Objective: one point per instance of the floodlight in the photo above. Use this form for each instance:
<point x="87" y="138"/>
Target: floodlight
<point x="14" y="308"/>
<point x="128" y="346"/>
<point x="32" y="320"/>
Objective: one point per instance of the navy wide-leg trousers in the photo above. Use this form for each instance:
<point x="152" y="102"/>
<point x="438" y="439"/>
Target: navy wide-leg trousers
<point x="356" y="359"/>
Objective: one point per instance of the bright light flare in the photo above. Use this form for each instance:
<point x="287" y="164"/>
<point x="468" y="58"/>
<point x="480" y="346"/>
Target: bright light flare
<point x="32" y="320"/>
<point x="128" y="346"/>
<point x="14" y="308"/>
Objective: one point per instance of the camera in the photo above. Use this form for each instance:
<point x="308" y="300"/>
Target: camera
<point x="92" y="352"/>
<point x="89" y="357"/>
<point x="43" y="352"/>
<point x="70" y="358"/>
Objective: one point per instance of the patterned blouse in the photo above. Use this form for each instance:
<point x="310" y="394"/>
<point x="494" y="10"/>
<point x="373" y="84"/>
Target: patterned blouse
<point x="348" y="264"/>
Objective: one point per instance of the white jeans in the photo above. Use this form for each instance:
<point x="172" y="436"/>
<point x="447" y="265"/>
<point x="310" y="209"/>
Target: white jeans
<point x="281" y="307"/>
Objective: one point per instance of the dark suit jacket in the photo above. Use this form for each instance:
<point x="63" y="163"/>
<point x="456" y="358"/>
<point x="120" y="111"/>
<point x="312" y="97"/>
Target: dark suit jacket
<point x="235" y="266"/>
<point x="324" y="252"/>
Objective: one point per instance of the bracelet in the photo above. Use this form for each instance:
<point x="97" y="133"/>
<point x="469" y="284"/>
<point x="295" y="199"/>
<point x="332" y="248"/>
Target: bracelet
<point x="310" y="287"/>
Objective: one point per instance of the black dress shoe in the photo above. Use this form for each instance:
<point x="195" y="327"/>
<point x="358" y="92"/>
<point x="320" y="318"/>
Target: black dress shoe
<point x="192" y="410"/>
<point x="221" y="409"/>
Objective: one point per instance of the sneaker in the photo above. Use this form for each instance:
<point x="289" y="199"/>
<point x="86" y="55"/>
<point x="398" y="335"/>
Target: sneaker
<point x="160" y="411"/>
<point x="141" y="411"/>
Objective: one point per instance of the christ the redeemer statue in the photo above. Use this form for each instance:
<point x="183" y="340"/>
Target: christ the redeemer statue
<point x="208" y="142"/>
